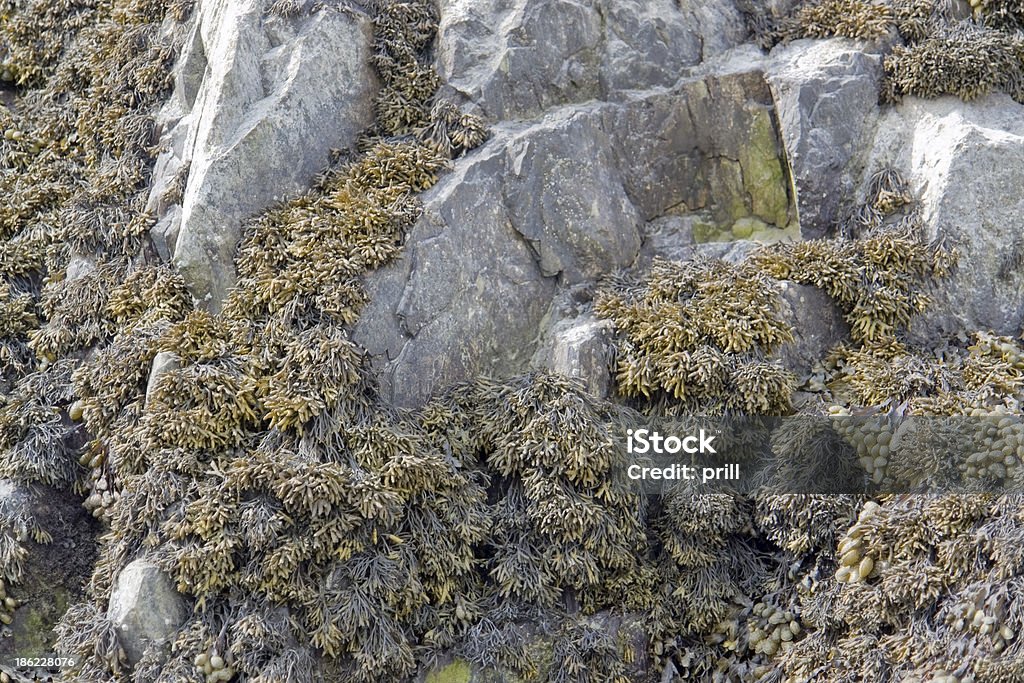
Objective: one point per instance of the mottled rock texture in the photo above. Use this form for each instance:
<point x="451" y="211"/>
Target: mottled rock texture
<point x="559" y="200"/>
<point x="826" y="96"/>
<point x="253" y="119"/>
<point x="957" y="158"/>
<point x="145" y="608"/>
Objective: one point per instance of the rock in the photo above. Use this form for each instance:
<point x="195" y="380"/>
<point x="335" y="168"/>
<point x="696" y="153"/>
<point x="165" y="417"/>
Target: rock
<point x="962" y="161"/>
<point x="671" y="238"/>
<point x="516" y="59"/>
<point x="51" y="575"/>
<point x="163" y="362"/>
<point x="555" y="202"/>
<point x="817" y="325"/>
<point x="165" y="233"/>
<point x="145" y="608"/>
<point x="259" y="102"/>
<point x="565" y="196"/>
<point x="826" y="95"/>
<point x="466" y="296"/>
<point x="580" y="348"/>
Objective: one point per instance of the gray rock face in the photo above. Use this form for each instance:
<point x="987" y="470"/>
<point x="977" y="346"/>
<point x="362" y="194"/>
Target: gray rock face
<point x="145" y="608"/>
<point x="556" y="202"/>
<point x="581" y="348"/>
<point x="826" y="95"/>
<point x="467" y="294"/>
<point x="259" y="102"/>
<point x="817" y="325"/>
<point x="517" y="58"/>
<point x="963" y="162"/>
<point x="163" y="362"/>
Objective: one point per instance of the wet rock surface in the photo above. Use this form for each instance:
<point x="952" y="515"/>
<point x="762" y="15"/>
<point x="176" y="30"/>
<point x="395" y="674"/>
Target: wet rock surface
<point x="53" y="573"/>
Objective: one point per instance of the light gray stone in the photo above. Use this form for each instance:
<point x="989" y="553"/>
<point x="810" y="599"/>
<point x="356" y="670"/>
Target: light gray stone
<point x="826" y="95"/>
<point x="962" y="161"/>
<point x="79" y="267"/>
<point x="517" y="58"/>
<point x="582" y="349"/>
<point x="145" y="608"/>
<point x="165" y="233"/>
<point x="466" y="296"/>
<point x="565" y="195"/>
<point x="163" y="362"/>
<point x="259" y="103"/>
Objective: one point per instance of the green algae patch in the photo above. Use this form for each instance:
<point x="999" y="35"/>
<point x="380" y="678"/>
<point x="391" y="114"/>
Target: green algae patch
<point x="764" y="176"/>
<point x="456" y="672"/>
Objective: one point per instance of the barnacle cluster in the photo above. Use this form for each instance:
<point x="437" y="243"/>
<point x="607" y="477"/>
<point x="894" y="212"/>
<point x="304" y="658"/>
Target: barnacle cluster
<point x="699" y="332"/>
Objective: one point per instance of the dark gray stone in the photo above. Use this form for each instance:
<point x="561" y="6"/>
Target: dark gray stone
<point x="826" y="96"/>
<point x="817" y="324"/>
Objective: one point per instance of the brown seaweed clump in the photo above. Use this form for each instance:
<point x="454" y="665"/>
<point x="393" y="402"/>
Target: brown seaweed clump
<point x="699" y="332"/>
<point x="965" y="60"/>
<point x="859" y="19"/>
<point x="879" y="279"/>
<point x="1003" y="14"/>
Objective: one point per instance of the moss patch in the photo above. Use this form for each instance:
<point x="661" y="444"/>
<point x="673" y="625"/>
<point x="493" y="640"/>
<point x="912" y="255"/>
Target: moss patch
<point x="456" y="672"/>
<point x="764" y="175"/>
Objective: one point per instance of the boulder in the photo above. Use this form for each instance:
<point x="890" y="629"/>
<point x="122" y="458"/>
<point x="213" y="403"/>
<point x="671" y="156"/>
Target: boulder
<point x="817" y="325"/>
<point x="518" y="59"/>
<point x="826" y="95"/>
<point x="963" y="162"/>
<point x="259" y="102"/>
<point x="556" y="202"/>
<point x="583" y="350"/>
<point x="145" y="608"/>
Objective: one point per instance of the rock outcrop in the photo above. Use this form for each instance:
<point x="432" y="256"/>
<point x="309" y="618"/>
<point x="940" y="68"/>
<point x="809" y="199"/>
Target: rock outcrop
<point x="259" y="102"/>
<point x="956" y="157"/>
<point x="145" y="608"/>
<point x="562" y="200"/>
